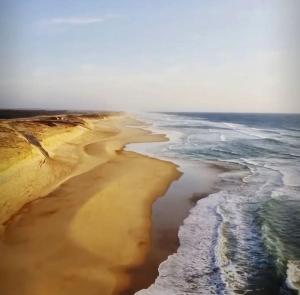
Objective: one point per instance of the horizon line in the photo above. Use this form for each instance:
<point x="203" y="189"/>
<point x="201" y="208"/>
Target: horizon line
<point x="150" y="111"/>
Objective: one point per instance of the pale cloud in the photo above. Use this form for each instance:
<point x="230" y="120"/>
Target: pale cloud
<point x="77" y="20"/>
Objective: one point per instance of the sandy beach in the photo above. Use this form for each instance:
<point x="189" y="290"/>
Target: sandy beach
<point x="168" y="214"/>
<point x="75" y="208"/>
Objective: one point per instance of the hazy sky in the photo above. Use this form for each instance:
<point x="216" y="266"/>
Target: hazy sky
<point x="189" y="55"/>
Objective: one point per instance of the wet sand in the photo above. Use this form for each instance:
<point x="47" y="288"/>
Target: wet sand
<point x="168" y="214"/>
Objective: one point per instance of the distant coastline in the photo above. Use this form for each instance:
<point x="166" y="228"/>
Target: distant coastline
<point x="27" y="113"/>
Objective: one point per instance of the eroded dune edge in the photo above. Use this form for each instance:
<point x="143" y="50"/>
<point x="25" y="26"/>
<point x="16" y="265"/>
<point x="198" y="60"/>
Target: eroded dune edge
<point x="75" y="209"/>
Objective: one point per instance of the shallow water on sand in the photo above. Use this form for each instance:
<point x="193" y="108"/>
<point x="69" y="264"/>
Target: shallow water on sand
<point x="169" y="212"/>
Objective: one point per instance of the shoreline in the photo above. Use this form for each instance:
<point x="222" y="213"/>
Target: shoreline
<point x="168" y="215"/>
<point x="199" y="180"/>
<point x="103" y="203"/>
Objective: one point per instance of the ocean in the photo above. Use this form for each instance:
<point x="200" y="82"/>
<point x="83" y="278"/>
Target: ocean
<point x="244" y="238"/>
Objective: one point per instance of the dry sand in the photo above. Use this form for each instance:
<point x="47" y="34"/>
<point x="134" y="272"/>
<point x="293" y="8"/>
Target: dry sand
<point x="94" y="223"/>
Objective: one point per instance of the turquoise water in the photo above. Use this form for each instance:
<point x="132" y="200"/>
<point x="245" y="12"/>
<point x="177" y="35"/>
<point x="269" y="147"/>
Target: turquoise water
<point x="244" y="239"/>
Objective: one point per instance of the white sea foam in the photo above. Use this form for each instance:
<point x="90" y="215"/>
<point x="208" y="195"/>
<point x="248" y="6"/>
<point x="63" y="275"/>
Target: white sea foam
<point x="204" y="263"/>
<point x="293" y="275"/>
<point x="223" y="137"/>
<point x="191" y="269"/>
